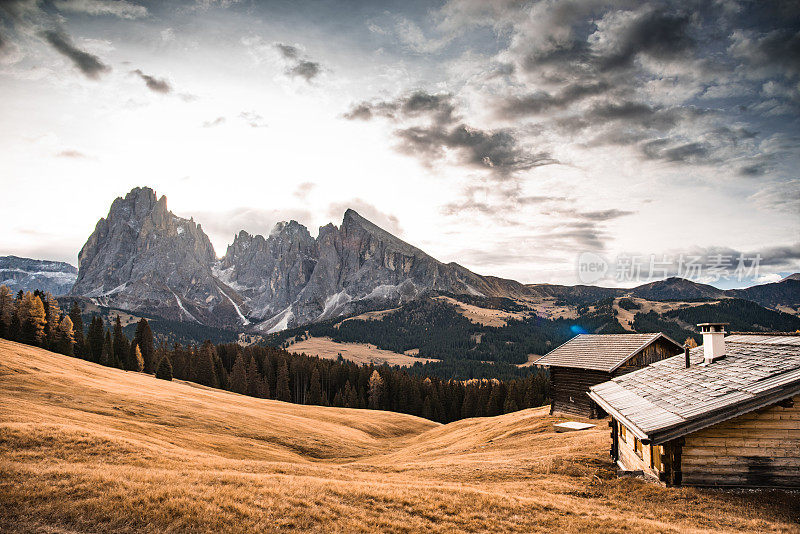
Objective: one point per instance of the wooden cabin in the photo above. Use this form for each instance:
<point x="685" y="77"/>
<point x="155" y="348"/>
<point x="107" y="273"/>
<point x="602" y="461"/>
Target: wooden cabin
<point x="724" y="416"/>
<point x="590" y="359"/>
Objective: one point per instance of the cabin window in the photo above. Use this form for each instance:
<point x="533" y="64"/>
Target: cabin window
<point x="623" y="434"/>
<point x="637" y="447"/>
<point x="655" y="457"/>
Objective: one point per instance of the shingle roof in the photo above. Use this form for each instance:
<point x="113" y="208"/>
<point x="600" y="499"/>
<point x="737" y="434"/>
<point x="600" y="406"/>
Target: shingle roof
<point x="599" y="352"/>
<point x="666" y="400"/>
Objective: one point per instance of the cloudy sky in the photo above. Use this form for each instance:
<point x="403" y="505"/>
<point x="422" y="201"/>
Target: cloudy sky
<point x="511" y="137"/>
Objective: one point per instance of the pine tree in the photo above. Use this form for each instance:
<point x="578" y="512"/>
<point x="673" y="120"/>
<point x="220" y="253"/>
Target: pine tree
<point x="79" y="349"/>
<point x="52" y="314"/>
<point x="164" y="371"/>
<point x="254" y="380"/>
<point x="470" y="402"/>
<point x="121" y="347"/>
<point x="144" y="339"/>
<point x="282" y="392"/>
<point x="94" y="341"/>
<point x="64" y="340"/>
<point x="375" y="390"/>
<point x="107" y="351"/>
<point x="206" y="371"/>
<point x="238" y="377"/>
<point x="315" y="388"/>
<point x="6" y="311"/>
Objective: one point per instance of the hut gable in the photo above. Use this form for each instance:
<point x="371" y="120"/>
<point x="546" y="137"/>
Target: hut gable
<point x="735" y="421"/>
<point x="589" y="359"/>
<point x="603" y="352"/>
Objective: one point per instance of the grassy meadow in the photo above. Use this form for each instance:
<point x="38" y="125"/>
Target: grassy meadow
<point x="86" y="448"/>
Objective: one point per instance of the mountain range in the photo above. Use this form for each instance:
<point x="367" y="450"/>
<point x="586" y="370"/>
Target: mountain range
<point x="144" y="259"/>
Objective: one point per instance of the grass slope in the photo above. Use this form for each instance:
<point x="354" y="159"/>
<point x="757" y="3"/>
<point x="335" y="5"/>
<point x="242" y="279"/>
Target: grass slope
<point x="85" y="448"/>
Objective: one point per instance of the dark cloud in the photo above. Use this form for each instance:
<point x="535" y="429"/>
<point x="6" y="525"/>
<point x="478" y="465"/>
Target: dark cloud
<point x="665" y="149"/>
<point x="154" y="84"/>
<point x="779" y="48"/>
<point x="438" y="107"/>
<point x="536" y="103"/>
<point x="498" y="150"/>
<point x="601" y="216"/>
<point x="287" y="51"/>
<point x="657" y="33"/>
<point x="90" y="65"/>
<point x="212" y="123"/>
<point x="307" y="70"/>
<point x="298" y="66"/>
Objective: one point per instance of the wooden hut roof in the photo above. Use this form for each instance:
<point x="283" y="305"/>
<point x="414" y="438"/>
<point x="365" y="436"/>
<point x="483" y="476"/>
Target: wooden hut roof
<point x="666" y="400"/>
<point x="599" y="352"/>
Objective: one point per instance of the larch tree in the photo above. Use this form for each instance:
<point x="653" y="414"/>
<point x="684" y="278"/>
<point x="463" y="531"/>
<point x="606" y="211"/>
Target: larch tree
<point x="144" y="339"/>
<point x="137" y="361"/>
<point x="79" y="349"/>
<point x="375" y="390"/>
<point x="32" y="319"/>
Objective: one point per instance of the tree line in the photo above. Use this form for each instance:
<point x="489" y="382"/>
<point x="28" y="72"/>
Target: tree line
<point x="265" y="372"/>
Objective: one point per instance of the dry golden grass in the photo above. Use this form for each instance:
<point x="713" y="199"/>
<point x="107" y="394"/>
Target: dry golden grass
<point x="482" y="316"/>
<point x="325" y="347"/>
<point x="85" y="448"/>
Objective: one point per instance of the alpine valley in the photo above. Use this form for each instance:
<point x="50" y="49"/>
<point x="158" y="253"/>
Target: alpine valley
<point x="358" y="283"/>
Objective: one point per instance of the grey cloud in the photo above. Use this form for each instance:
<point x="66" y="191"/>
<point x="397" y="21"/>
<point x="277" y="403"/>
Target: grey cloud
<point x="212" y="123"/>
<point x="297" y="66"/>
<point x="287" y="51"/>
<point x="304" y="189"/>
<point x="656" y="33"/>
<point x="253" y="119"/>
<point x="224" y="224"/>
<point x="778" y="48"/>
<point x="118" y="8"/>
<point x="388" y="222"/>
<point x="498" y="151"/>
<point x="74" y="154"/>
<point x="540" y="102"/>
<point x="154" y="84"/>
<point x="603" y="215"/>
<point x="684" y="152"/>
<point x="305" y="69"/>
<point x="90" y="65"/>
<point x="438" y="107"/>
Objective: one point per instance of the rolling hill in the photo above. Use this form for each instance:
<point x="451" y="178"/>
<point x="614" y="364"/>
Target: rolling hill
<point x="87" y="448"/>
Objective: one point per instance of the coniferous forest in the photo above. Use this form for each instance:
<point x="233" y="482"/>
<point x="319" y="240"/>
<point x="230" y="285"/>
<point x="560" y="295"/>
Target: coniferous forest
<point x="264" y="372"/>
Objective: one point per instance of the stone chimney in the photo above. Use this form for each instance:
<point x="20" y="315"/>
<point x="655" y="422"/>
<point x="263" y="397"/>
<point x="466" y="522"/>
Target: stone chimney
<point x="713" y="341"/>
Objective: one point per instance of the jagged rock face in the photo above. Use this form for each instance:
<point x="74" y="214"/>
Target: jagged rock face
<point x="26" y="274"/>
<point x="360" y="263"/>
<point x="269" y="273"/>
<point x="143" y="258"/>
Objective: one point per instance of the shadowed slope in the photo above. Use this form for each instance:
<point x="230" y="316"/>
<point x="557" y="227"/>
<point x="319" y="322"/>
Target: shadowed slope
<point x="85" y="448"/>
